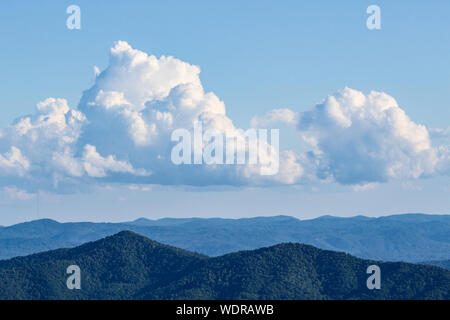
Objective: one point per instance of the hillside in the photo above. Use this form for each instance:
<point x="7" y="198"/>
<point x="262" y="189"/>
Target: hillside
<point x="443" y="263"/>
<point x="112" y="268"/>
<point x="129" y="266"/>
<point x="409" y="237"/>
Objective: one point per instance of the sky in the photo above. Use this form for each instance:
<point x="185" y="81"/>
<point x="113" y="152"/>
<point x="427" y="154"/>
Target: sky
<point x="86" y="115"/>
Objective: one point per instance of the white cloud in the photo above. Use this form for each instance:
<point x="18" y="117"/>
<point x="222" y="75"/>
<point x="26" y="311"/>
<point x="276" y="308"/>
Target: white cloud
<point x="13" y="162"/>
<point x="284" y="116"/>
<point x="144" y="99"/>
<point x="443" y="165"/>
<point x="18" y="194"/>
<point x="93" y="164"/>
<point x="439" y="132"/>
<point x="365" y="187"/>
<point x="120" y="132"/>
<point x="122" y="126"/>
<point x="136" y="187"/>
<point x="360" y="139"/>
<point x="97" y="166"/>
<point x="96" y="71"/>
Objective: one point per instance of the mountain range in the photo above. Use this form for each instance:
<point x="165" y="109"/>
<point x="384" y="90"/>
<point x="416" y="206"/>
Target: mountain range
<point x="130" y="266"/>
<point x="443" y="263"/>
<point x="407" y="237"/>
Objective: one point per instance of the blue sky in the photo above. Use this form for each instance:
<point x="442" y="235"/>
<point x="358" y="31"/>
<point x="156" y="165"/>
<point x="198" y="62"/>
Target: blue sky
<point x="255" y="57"/>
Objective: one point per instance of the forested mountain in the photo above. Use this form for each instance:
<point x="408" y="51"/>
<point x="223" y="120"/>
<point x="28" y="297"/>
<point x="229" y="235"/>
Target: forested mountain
<point x="443" y="263"/>
<point x="130" y="266"/>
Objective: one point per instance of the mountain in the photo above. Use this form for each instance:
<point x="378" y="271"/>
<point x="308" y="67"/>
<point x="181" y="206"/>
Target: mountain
<point x="408" y="237"/>
<point x="443" y="264"/>
<point x="130" y="266"/>
<point x="112" y="268"/>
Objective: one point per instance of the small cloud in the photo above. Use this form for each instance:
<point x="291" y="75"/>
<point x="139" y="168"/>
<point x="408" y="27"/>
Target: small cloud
<point x="365" y="187"/>
<point x="18" y="194"/>
<point x="284" y="116"/>
<point x="96" y="71"/>
<point x="136" y="187"/>
<point x="13" y="162"/>
<point x="439" y="132"/>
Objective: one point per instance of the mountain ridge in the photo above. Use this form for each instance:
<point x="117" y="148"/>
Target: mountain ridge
<point x="409" y="237"/>
<point x="129" y="266"/>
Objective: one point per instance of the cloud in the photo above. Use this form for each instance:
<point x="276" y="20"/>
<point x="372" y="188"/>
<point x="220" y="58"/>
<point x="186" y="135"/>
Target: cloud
<point x="365" y="187"/>
<point x="36" y="140"/>
<point x="145" y="99"/>
<point x="440" y="132"/>
<point x="443" y="165"/>
<point x="361" y="139"/>
<point x="13" y="162"/>
<point x="120" y="132"/>
<point x="142" y="188"/>
<point x="18" y="194"/>
<point x="284" y="116"/>
<point x="97" y="166"/>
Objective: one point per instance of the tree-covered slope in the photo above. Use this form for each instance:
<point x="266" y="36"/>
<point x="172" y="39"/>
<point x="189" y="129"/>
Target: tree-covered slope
<point x="442" y="263"/>
<point x="111" y="268"/>
<point x="129" y="266"/>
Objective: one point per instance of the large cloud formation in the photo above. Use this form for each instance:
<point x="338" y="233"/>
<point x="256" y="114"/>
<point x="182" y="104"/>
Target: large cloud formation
<point x="121" y="132"/>
<point x="359" y="139"/>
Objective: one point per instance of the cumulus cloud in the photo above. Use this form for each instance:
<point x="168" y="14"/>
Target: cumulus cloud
<point x="121" y="132"/>
<point x="142" y="188"/>
<point x="364" y="187"/>
<point x="145" y="99"/>
<point x="443" y="165"/>
<point x="440" y="132"/>
<point x="13" y="162"/>
<point x="18" y="194"/>
<point x="283" y="116"/>
<point x="360" y="139"/>
<point x="97" y="166"/>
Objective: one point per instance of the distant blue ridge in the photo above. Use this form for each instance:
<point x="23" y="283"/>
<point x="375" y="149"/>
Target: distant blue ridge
<point x="405" y="237"/>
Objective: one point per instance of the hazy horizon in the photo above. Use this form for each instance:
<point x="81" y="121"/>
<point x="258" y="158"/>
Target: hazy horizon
<point x="229" y="218"/>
